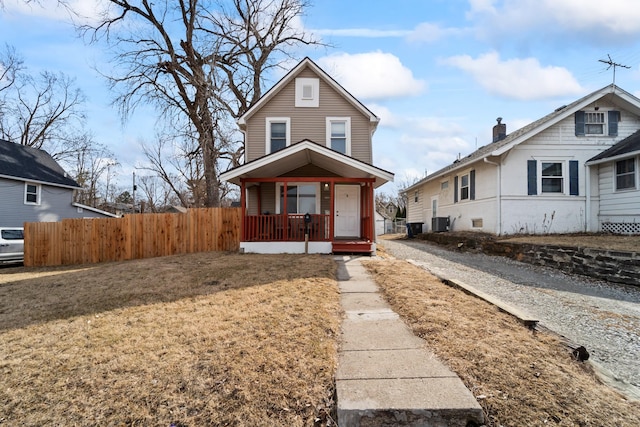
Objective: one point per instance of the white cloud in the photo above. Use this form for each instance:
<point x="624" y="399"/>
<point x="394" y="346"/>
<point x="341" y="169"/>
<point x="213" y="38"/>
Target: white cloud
<point x="80" y="11"/>
<point x="427" y="32"/>
<point x="373" y="75"/>
<point x="590" y="18"/>
<point x="523" y="79"/>
<point x="362" y="32"/>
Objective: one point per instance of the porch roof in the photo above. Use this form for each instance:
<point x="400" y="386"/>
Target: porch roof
<point x="303" y="153"/>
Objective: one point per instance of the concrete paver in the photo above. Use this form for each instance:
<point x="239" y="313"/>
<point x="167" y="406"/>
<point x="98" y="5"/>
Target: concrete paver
<point x="386" y="376"/>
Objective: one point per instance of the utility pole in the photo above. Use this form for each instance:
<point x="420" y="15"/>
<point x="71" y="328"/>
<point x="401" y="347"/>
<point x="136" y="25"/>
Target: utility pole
<point x="134" y="193"/>
<point x="614" y="65"/>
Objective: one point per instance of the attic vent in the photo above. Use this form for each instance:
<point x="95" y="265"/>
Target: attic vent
<point x="561" y="108"/>
<point x="307" y="92"/>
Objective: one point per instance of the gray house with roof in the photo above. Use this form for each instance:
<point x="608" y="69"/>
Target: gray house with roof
<point x="574" y="170"/>
<point x="35" y="188"/>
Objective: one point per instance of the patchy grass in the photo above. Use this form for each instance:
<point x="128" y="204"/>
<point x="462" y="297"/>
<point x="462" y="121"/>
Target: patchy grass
<point x="520" y="377"/>
<point x="202" y="339"/>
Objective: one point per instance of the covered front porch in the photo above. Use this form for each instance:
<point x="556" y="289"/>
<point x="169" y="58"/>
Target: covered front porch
<point x="307" y="198"/>
<point x="322" y="215"/>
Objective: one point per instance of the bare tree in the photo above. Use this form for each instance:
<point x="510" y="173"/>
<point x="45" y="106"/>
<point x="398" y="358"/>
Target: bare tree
<point x="157" y="195"/>
<point x="90" y="167"/>
<point x="42" y="111"/>
<point x="200" y="62"/>
<point x="10" y="66"/>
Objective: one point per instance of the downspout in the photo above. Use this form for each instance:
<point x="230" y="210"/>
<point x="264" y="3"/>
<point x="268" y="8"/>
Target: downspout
<point x="498" y="197"/>
<point x="587" y="213"/>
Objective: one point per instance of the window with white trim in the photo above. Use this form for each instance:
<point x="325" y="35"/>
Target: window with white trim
<point x="552" y="177"/>
<point x="464" y="187"/>
<point x="302" y="198"/>
<point x="31" y="194"/>
<point x="626" y="174"/>
<point x="278" y="133"/>
<point x="594" y="123"/>
<point x="339" y="134"/>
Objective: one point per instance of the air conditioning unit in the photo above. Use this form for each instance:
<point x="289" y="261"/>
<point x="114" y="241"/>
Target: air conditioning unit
<point x="440" y="224"/>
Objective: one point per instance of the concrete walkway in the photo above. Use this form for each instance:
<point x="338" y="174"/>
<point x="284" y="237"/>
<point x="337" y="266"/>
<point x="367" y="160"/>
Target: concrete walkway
<point x="386" y="376"/>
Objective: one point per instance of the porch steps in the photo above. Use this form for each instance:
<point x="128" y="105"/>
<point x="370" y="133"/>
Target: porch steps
<point x="352" y="247"/>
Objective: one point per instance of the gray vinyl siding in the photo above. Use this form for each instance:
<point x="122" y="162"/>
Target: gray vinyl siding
<point x="309" y="123"/>
<point x="55" y="204"/>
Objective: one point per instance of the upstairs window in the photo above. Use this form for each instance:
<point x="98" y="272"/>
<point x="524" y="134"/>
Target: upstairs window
<point x="278" y="134"/>
<point x="594" y="123"/>
<point x="552" y="178"/>
<point x="31" y="194"/>
<point x="626" y="174"/>
<point x="597" y="122"/>
<point x="339" y="134"/>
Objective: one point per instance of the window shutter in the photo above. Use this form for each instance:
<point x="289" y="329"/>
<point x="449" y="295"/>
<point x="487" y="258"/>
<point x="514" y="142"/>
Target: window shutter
<point x="579" y="123"/>
<point x="614" y="117"/>
<point x="573" y="177"/>
<point x="455" y="189"/>
<point x="472" y="185"/>
<point x="532" y="178"/>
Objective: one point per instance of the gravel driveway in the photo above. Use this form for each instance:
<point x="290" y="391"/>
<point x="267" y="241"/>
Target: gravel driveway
<point x="602" y="316"/>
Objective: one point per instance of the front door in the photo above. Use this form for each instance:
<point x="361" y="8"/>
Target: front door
<point x="347" y="214"/>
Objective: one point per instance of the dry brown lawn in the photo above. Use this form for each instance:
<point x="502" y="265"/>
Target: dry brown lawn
<point x="598" y="241"/>
<point x="520" y="377"/>
<point x="203" y="339"/>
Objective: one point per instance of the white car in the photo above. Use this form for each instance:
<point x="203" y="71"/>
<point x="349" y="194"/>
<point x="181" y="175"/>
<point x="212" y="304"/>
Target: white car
<point x="11" y="245"/>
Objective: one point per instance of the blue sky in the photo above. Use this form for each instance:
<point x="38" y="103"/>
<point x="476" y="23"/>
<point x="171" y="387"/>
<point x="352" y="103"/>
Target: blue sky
<point x="437" y="72"/>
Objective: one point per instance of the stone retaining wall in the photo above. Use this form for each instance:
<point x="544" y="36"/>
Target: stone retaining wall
<point x="609" y="265"/>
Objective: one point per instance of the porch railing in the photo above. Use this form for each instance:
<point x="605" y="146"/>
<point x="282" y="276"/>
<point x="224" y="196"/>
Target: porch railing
<point x="285" y="228"/>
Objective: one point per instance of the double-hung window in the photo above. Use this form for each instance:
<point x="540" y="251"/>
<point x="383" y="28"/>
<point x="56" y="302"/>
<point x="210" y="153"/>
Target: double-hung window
<point x="278" y="132"/>
<point x="339" y="134"/>
<point x="626" y="174"/>
<point x="301" y="198"/>
<point x="552" y="177"/>
<point x="31" y="194"/>
<point x="594" y="123"/>
<point x="464" y="187"/>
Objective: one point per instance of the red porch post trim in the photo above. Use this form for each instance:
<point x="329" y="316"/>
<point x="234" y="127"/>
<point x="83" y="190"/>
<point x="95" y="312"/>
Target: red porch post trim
<point x="332" y="211"/>
<point x="372" y="213"/>
<point x="243" y="206"/>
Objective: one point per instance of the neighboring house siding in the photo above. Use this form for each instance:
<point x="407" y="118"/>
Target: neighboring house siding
<point x="55" y="204"/>
<point x="617" y="206"/>
<point x="309" y="122"/>
<point x="479" y="213"/>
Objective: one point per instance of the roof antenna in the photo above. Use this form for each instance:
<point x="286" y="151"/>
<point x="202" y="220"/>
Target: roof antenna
<point x="614" y="65"/>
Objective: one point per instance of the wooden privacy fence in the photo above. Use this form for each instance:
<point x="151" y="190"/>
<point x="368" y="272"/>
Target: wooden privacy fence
<point x="84" y="241"/>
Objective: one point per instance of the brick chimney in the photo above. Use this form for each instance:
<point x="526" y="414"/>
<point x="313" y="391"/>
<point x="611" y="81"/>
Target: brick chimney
<point x="499" y="130"/>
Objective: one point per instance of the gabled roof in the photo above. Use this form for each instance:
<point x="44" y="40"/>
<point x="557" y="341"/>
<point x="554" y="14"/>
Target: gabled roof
<point x="31" y="164"/>
<point x="290" y="76"/>
<point x="302" y="153"/>
<point x="625" y="148"/>
<point x="612" y="92"/>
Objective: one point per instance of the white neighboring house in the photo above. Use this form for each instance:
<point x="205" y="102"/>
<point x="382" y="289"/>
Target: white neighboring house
<point x="573" y="170"/>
